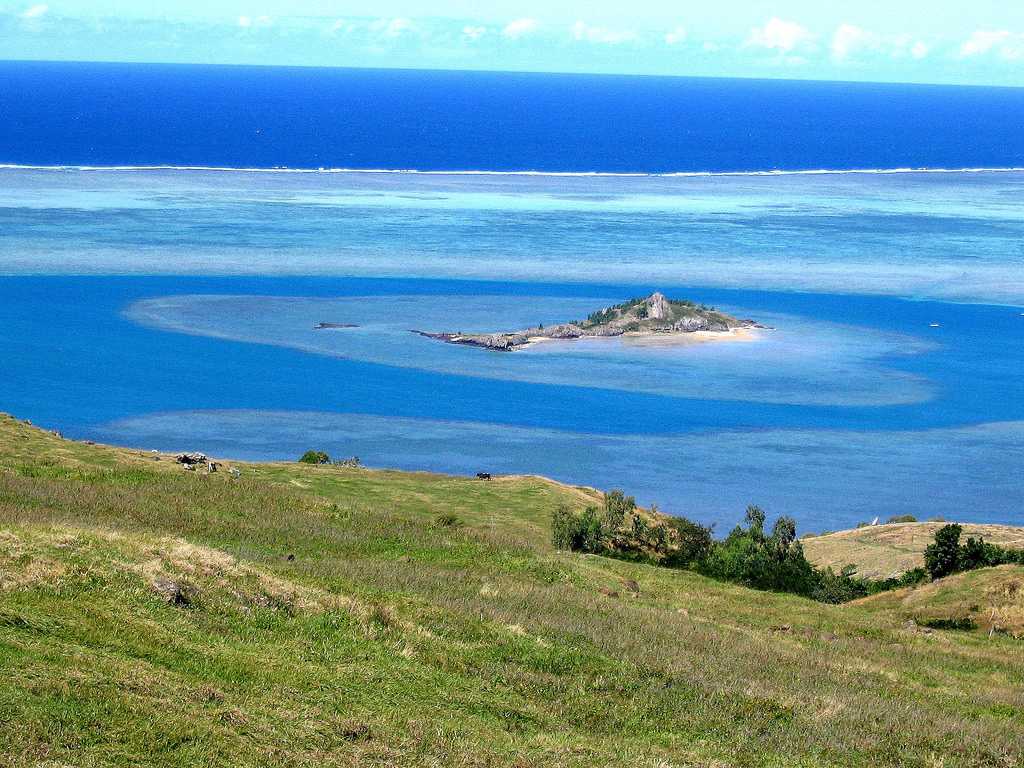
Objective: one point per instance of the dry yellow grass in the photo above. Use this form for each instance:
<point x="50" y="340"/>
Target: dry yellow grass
<point x="881" y="551"/>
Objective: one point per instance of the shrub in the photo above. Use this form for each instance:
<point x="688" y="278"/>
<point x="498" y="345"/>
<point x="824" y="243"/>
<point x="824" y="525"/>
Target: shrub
<point x="576" y="533"/>
<point x="616" y="506"/>
<point x="942" y="557"/>
<point x="977" y="553"/>
<point x="902" y="519"/>
<point x="912" y="577"/>
<point x="748" y="555"/>
<point x="563" y="528"/>
<point x="315" y="457"/>
<point x="589" y="533"/>
<point x="693" y="543"/>
<point x="965" y="623"/>
<point x="448" y="521"/>
<point x="832" y="587"/>
<point x="947" y="555"/>
<point x="775" y="562"/>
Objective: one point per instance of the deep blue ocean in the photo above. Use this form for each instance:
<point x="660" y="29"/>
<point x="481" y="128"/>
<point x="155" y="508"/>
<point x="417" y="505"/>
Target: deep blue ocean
<point x="173" y="308"/>
<point x="267" y="117"/>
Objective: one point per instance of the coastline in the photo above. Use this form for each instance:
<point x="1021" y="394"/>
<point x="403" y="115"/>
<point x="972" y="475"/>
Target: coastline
<point x="774" y="172"/>
<point x="654" y="316"/>
<point x="675" y="339"/>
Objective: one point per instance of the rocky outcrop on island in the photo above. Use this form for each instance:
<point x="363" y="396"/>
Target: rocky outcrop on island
<point x="648" y="316"/>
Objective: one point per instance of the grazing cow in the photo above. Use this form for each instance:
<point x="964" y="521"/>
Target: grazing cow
<point x="483" y="475"/>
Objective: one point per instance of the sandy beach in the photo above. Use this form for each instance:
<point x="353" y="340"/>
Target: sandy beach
<point x="656" y="339"/>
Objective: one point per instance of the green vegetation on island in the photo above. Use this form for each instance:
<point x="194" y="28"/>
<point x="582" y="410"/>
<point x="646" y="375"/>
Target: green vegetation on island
<point x="306" y="614"/>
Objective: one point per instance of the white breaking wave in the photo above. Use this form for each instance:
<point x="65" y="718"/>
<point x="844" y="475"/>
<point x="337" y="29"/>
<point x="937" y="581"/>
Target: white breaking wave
<point x="574" y="174"/>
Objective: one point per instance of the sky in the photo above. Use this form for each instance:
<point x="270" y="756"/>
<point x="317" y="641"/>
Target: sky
<point x="974" y="42"/>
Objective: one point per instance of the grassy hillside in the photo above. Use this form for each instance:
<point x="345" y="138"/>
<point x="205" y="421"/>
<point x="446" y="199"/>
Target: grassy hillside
<point x="309" y="615"/>
<point x="991" y="599"/>
<point x="880" y="551"/>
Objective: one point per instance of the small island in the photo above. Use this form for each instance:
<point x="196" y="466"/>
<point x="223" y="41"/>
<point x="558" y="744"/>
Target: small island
<point x="654" y="315"/>
<point x="333" y="326"/>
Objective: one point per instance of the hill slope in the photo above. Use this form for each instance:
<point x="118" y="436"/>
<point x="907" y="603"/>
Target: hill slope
<point x="990" y="598"/>
<point x="880" y="551"/>
<point x="332" y="616"/>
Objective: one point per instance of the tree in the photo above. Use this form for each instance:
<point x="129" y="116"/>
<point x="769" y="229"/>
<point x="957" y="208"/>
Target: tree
<point x="616" y="506"/>
<point x="976" y="554"/>
<point x="563" y="527"/>
<point x="315" y="457"/>
<point x="576" y="533"/>
<point x="747" y="556"/>
<point x="693" y="542"/>
<point x="784" y="532"/>
<point x="839" y="587"/>
<point x="943" y="556"/>
<point x="755" y="521"/>
<point x="591" y="535"/>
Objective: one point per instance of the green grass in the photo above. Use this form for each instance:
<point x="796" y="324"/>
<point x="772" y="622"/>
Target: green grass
<point x="391" y="639"/>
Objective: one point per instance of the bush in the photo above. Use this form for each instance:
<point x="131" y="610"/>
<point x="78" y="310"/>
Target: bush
<point x="965" y="624"/>
<point x="315" y="457"/>
<point x="947" y="555"/>
<point x="589" y="533"/>
<point x="447" y="521"/>
<point x="748" y="555"/>
<point x="774" y="562"/>
<point x="563" y="528"/>
<point x="942" y="557"/>
<point x="832" y="587"/>
<point x="693" y="543"/>
<point x="576" y="533"/>
<point x="616" y="506"/>
<point x="902" y="519"/>
<point x="912" y="577"/>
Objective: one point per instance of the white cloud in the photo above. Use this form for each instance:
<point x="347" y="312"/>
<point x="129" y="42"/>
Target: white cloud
<point x="583" y="31"/>
<point x="519" y="28"/>
<point x="35" y="11"/>
<point x="391" y="28"/>
<point x="780" y="35"/>
<point x="473" y="33"/>
<point x="982" y="42"/>
<point x="247" y="22"/>
<point x="849" y="39"/>
<point x="850" y="42"/>
<point x="341" y="25"/>
<point x="397" y="27"/>
<point x="1000" y="42"/>
<point x="675" y="36"/>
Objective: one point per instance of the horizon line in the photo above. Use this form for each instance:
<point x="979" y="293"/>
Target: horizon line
<point x="747" y="78"/>
<point x="525" y="172"/>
